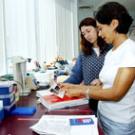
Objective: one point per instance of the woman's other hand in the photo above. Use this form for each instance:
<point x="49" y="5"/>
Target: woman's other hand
<point x="72" y="90"/>
<point x="96" y="82"/>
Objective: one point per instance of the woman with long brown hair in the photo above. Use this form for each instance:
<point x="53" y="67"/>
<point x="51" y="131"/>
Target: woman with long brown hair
<point x="91" y="58"/>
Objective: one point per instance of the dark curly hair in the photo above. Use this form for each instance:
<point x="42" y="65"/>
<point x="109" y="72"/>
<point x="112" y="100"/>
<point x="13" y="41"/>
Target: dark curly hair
<point x="114" y="10"/>
<point x="86" y="47"/>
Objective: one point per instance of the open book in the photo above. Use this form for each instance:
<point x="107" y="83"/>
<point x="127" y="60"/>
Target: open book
<point x="51" y="101"/>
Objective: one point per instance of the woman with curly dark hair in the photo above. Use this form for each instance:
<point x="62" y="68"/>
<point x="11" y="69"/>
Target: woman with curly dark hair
<point x="91" y="58"/>
<point x="116" y="108"/>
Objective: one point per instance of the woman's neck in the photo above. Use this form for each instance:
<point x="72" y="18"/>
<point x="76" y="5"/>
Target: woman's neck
<point x="119" y="39"/>
<point x="95" y="45"/>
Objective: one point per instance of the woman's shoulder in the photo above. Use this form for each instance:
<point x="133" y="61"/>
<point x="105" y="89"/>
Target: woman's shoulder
<point x="129" y="45"/>
<point x="131" y="42"/>
<point x="79" y="58"/>
<point x="82" y="54"/>
<point x="108" y="47"/>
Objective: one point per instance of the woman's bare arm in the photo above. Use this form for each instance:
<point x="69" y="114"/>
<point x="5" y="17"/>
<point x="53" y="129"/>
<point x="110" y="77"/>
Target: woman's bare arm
<point x="122" y="83"/>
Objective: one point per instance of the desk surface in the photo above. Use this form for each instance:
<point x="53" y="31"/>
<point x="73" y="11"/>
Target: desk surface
<point x="19" y="125"/>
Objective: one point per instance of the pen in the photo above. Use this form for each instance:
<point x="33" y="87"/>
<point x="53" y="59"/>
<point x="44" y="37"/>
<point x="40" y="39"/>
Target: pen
<point x="71" y="110"/>
<point x="28" y="119"/>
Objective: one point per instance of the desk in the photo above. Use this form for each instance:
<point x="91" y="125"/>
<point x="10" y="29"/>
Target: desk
<point x="18" y="125"/>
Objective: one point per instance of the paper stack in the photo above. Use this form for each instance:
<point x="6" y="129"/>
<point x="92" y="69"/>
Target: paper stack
<point x="66" y="125"/>
<point x="52" y="102"/>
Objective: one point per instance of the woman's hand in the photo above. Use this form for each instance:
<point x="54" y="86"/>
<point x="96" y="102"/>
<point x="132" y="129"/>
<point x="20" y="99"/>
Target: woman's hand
<point x="66" y="85"/>
<point x="72" y="90"/>
<point x="96" y="82"/>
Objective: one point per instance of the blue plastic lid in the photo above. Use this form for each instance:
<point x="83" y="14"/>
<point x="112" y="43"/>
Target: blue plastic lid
<point x="24" y="110"/>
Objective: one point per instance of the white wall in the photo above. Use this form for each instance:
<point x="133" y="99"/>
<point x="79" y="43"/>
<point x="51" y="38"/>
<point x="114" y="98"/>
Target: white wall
<point x="67" y="24"/>
<point x="94" y="4"/>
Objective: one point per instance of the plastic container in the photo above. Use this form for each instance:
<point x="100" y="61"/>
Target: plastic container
<point x="1" y="111"/>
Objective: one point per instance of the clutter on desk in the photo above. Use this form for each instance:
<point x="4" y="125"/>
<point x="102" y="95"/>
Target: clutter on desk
<point x="33" y="65"/>
<point x="43" y="86"/>
<point x="19" y="73"/>
<point x="31" y="82"/>
<point x="66" y="125"/>
<point x="6" y="77"/>
<point x="62" y="65"/>
<point x="29" y="74"/>
<point x="44" y="79"/>
<point x="1" y="110"/>
<point x="8" y="95"/>
<point x="45" y="72"/>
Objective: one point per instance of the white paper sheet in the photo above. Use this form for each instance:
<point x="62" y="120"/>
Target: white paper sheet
<point x="60" y="125"/>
